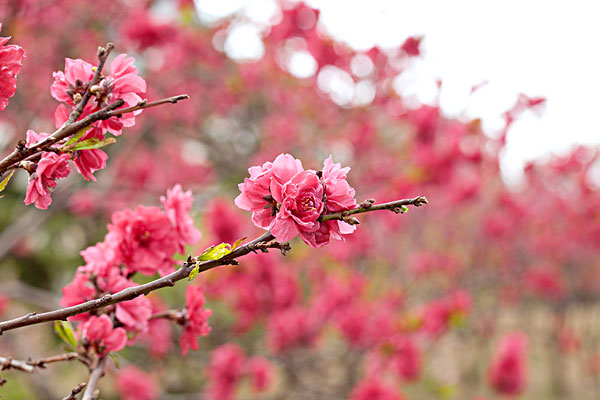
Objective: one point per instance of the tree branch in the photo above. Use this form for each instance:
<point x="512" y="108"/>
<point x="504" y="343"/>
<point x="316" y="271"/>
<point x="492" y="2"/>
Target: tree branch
<point x="262" y="243"/>
<point x="95" y="374"/>
<point x="144" y="104"/>
<point x="30" y="365"/>
<point x="131" y="293"/>
<point x="76" y="390"/>
<point x="367" y="206"/>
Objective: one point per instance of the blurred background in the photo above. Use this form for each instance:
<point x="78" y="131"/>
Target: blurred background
<point x="491" y="291"/>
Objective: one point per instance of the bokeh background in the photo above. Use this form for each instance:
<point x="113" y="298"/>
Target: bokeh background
<point x="439" y="101"/>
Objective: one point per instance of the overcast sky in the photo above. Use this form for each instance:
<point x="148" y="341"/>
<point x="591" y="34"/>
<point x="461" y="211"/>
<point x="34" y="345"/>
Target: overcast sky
<point x="540" y="48"/>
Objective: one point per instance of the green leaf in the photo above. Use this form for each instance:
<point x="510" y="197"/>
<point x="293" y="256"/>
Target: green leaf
<point x="214" y="253"/>
<point x="115" y="358"/>
<point x="78" y="135"/>
<point x="65" y="331"/>
<point x="92" y="143"/>
<point x="5" y="181"/>
<point x="194" y="272"/>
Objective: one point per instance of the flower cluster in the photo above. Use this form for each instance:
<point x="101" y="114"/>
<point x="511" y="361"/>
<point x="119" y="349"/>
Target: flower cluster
<point x="11" y="57"/>
<point x="143" y="240"/>
<point x="507" y="370"/>
<point x="69" y="88"/>
<point x="289" y="201"/>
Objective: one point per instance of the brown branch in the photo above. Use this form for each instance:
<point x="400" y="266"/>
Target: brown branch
<point x="135" y="291"/>
<point x="76" y="390"/>
<point x="262" y="243"/>
<point x="95" y="374"/>
<point x="30" y="365"/>
<point x="397" y="207"/>
<point x="144" y="104"/>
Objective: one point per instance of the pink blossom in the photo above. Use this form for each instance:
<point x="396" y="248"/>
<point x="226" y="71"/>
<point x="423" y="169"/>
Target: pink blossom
<point x="258" y="186"/>
<point x="197" y="319"/>
<point x="99" y="333"/>
<point x="508" y="368"/>
<point x="34" y="137"/>
<point x="177" y="204"/>
<point x="134" y="314"/>
<point x="405" y="358"/>
<point x="80" y="290"/>
<point x="50" y="168"/>
<point x="11" y="57"/>
<point x="301" y="204"/>
<point x="372" y="388"/>
<point x="134" y="384"/>
<point x="158" y="338"/>
<point x="225" y="370"/>
<point x="260" y="371"/>
<point x="146" y="239"/>
<point x="122" y="83"/>
<point x="101" y="259"/>
<point x="223" y="221"/>
<point x="4" y="301"/>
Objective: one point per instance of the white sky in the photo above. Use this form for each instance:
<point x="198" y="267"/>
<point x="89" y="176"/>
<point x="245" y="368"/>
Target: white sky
<point x="540" y="48"/>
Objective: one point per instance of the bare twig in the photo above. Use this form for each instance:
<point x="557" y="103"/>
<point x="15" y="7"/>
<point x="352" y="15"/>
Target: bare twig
<point x="144" y="104"/>
<point x="95" y="374"/>
<point x="30" y="365"/>
<point x="76" y="390"/>
<point x="368" y="205"/>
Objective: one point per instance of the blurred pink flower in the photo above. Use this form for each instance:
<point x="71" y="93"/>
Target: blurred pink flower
<point x="11" y="57"/>
<point x="372" y="388"/>
<point x="177" y="204"/>
<point x="260" y="371"/>
<point x="134" y="384"/>
<point x="507" y="372"/>
<point x="224" y="372"/>
<point x="197" y="319"/>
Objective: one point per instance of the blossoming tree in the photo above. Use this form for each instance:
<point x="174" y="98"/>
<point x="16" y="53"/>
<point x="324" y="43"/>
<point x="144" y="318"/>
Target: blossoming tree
<point x="440" y="303"/>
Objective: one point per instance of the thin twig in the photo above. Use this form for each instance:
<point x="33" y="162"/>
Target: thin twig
<point x="144" y="104"/>
<point x="95" y="375"/>
<point x="30" y="365"/>
<point x="367" y="206"/>
<point x="76" y="390"/>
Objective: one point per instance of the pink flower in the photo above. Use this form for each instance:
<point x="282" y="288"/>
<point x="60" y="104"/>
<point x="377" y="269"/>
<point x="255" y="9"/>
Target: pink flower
<point x="372" y="388"/>
<point x="50" y="168"/>
<point x="101" y="259"/>
<point x="134" y="384"/>
<point x="145" y="239"/>
<point x="11" y="57"/>
<point x="4" y="301"/>
<point x="99" y="333"/>
<point x="224" y="371"/>
<point x="508" y="368"/>
<point x="122" y="83"/>
<point x="301" y="204"/>
<point x="197" y="319"/>
<point x="80" y="290"/>
<point x="158" y="338"/>
<point x="261" y="373"/>
<point x="134" y="314"/>
<point x="405" y="359"/>
<point x="258" y="186"/>
<point x="177" y="205"/>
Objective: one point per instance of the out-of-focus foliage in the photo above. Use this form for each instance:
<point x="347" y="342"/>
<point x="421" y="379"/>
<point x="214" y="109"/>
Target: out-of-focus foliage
<point x="414" y="306"/>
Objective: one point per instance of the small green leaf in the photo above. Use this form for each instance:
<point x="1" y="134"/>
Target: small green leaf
<point x="92" y="143"/>
<point x="65" y="331"/>
<point x="78" y="135"/>
<point x="5" y="181"/>
<point x="194" y="272"/>
<point x="115" y="358"/>
<point x="215" y="252"/>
